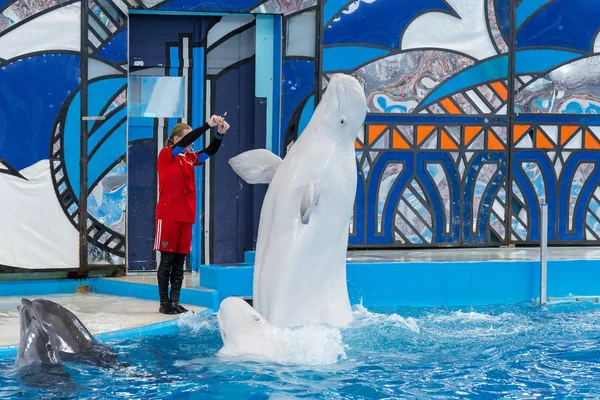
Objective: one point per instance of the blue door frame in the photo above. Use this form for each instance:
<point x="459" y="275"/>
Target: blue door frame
<point x="267" y="89"/>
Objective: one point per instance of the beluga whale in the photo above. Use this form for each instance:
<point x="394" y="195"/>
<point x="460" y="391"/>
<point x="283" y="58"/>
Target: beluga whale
<point x="248" y="336"/>
<point x="51" y="334"/>
<point x="300" y="263"/>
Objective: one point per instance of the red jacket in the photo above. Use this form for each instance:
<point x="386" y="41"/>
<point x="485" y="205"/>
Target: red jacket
<point x="176" y="186"/>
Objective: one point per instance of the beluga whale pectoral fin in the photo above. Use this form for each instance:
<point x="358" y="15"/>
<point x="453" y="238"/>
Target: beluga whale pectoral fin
<point x="256" y="166"/>
<point x="309" y="201"/>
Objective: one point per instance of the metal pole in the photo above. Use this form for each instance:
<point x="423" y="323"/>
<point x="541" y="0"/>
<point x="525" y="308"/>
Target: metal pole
<point x="543" y="253"/>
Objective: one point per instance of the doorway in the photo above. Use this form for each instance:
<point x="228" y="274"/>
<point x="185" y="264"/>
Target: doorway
<point x="184" y="68"/>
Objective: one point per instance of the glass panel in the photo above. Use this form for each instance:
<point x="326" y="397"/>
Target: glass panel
<point x="301" y="35"/>
<point x="570" y="89"/>
<point x="107" y="200"/>
<point x="156" y="96"/>
<point x="97" y="256"/>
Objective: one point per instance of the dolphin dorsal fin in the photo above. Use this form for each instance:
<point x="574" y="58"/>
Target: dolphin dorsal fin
<point x="256" y="166"/>
<point x="310" y="197"/>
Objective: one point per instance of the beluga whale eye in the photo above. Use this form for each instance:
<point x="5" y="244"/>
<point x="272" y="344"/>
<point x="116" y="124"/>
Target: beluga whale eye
<point x="342" y="121"/>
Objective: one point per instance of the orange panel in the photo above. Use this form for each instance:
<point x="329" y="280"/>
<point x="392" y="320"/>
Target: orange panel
<point x="471" y="132"/>
<point x="450" y="106"/>
<point x="398" y="141"/>
<point x="423" y="131"/>
<point x="375" y="131"/>
<point x="566" y="132"/>
<point x="493" y="142"/>
<point x="500" y="89"/>
<point x="357" y="144"/>
<point x="447" y="142"/>
<point x="519" y="131"/>
<point x="590" y="141"/>
<point x="542" y="142"/>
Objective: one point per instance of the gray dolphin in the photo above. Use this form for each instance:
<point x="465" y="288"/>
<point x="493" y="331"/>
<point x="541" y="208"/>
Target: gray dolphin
<point x="50" y="334"/>
<point x="35" y="346"/>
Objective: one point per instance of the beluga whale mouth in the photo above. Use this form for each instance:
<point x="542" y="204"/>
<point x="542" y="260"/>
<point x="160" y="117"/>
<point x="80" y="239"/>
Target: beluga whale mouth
<point x="300" y="267"/>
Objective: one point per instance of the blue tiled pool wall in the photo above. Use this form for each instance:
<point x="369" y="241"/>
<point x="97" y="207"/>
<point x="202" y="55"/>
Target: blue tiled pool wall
<point x="436" y="283"/>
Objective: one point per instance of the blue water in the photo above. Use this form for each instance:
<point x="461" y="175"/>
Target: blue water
<point x="431" y="353"/>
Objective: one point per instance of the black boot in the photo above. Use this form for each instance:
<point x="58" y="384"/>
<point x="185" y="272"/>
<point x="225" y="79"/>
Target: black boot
<point x="164" y="270"/>
<point x="176" y="282"/>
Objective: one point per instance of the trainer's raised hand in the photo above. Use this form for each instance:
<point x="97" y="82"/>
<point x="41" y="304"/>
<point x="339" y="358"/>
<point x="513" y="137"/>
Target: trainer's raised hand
<point x="214" y="121"/>
<point x="223" y="127"/>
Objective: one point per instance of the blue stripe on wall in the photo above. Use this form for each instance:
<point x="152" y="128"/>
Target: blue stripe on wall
<point x="347" y="58"/>
<point x="265" y="62"/>
<point x="541" y="60"/>
<point x="197" y="120"/>
<point x="276" y="125"/>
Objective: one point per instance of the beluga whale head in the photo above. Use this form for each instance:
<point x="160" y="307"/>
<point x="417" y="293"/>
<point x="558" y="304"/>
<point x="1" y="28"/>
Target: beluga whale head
<point x="240" y="324"/>
<point x="343" y="107"/>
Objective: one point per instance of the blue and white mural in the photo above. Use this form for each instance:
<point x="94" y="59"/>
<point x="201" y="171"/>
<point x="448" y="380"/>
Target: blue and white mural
<point x="449" y="108"/>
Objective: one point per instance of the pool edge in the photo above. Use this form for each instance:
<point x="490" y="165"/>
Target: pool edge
<point x="157" y="328"/>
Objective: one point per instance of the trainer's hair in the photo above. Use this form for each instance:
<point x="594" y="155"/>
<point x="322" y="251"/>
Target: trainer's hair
<point x="177" y="131"/>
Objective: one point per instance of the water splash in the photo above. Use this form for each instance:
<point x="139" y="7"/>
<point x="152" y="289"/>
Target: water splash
<point x="198" y="322"/>
<point x="306" y="345"/>
<point x="364" y="318"/>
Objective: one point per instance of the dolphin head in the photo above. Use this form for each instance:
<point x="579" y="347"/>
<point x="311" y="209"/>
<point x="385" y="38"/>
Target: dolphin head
<point x="35" y="346"/>
<point x="240" y="324"/>
<point x="69" y="335"/>
<point x="343" y="107"/>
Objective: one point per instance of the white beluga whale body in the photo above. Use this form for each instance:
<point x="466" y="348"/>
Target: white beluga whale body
<point x="300" y="267"/>
<point x="246" y="334"/>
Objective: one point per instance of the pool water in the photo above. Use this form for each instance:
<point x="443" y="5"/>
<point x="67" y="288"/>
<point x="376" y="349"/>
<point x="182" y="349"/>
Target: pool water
<point x="516" y="351"/>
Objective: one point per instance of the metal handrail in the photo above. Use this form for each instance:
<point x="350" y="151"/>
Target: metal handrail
<point x="544" y="255"/>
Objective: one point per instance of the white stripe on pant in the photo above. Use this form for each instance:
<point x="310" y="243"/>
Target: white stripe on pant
<point x="158" y="232"/>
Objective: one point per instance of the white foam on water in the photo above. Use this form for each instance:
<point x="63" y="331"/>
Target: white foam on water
<point x="465" y="317"/>
<point x="197" y="322"/>
<point x="305" y="345"/>
<point x="364" y="317"/>
<point x="470" y="324"/>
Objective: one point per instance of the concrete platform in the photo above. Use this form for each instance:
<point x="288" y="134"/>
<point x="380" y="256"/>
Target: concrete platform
<point x="190" y="280"/>
<point x="473" y="255"/>
<point x="464" y="255"/>
<point x="100" y="313"/>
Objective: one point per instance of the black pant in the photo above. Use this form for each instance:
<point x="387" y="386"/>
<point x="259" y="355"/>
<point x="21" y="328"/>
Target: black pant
<point x="170" y="268"/>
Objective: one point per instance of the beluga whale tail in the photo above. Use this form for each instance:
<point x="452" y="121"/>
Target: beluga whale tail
<point x="300" y="267"/>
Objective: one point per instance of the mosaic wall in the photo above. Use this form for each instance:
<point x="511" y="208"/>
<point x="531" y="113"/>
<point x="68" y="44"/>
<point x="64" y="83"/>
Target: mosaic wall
<point x="474" y="119"/>
<point x="60" y="61"/>
<point x="479" y="111"/>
